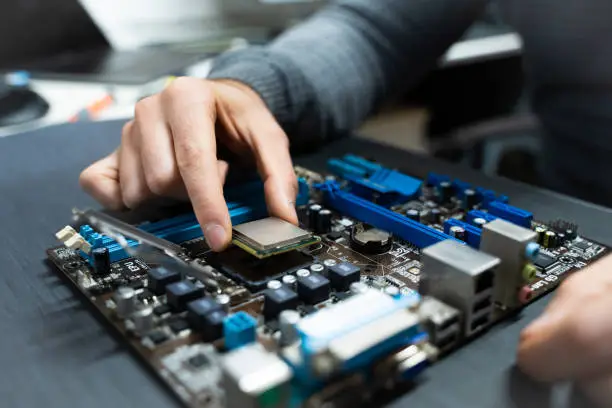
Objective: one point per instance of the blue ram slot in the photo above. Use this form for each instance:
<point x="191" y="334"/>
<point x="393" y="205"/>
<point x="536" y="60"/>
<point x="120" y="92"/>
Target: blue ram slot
<point x="510" y="213"/>
<point x="472" y="233"/>
<point x="369" y="166"/>
<point x="472" y="215"/>
<point x="245" y="203"/>
<point x="417" y="234"/>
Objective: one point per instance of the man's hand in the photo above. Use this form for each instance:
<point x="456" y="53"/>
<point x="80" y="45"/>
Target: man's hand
<point x="572" y="340"/>
<point x="170" y="149"/>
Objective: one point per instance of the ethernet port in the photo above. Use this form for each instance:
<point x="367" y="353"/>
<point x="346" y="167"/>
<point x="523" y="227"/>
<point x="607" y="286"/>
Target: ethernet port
<point x="481" y="305"/>
<point x="484" y="281"/>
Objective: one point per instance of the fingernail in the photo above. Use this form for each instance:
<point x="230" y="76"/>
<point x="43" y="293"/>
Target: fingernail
<point x="215" y="236"/>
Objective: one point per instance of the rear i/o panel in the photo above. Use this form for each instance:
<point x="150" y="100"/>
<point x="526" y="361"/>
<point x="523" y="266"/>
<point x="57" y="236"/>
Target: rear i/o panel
<point x="384" y="275"/>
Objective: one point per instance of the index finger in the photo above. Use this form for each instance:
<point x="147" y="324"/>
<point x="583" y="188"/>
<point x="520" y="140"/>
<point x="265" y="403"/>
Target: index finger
<point x="190" y="111"/>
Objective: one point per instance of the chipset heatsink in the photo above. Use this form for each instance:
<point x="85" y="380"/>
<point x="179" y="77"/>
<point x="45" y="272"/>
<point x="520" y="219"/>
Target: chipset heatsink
<point x="271" y="236"/>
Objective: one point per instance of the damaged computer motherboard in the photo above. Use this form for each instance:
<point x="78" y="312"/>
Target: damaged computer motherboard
<point x="385" y="274"/>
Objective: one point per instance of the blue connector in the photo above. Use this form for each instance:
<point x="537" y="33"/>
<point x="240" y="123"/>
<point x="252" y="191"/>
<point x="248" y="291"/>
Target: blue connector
<point x="375" y="182"/>
<point x="239" y="330"/>
<point x="510" y="213"/>
<point x="472" y="215"/>
<point x="414" y="232"/>
<point x="472" y="233"/>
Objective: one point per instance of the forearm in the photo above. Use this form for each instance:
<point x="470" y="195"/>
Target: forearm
<point x="325" y="76"/>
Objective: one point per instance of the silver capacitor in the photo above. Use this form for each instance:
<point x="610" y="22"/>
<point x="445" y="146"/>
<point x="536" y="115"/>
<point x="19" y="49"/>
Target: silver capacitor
<point x="302" y="273"/>
<point x="288" y="320"/>
<point x="289" y="280"/>
<point x="479" y="222"/>
<point x="317" y="268"/>
<point x="329" y="262"/>
<point x="224" y="301"/>
<point x="274" y="284"/>
<point x="125" y="300"/>
<point x="143" y="320"/>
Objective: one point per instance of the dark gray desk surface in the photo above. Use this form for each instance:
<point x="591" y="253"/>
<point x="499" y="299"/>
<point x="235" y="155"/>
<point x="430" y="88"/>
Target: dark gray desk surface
<point x="54" y="353"/>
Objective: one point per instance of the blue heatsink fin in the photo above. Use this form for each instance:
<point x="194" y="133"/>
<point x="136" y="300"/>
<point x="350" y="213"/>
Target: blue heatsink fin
<point x="347" y="203"/>
<point x="375" y="182"/>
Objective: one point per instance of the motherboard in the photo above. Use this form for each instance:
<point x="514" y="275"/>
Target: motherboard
<point x="385" y="275"/>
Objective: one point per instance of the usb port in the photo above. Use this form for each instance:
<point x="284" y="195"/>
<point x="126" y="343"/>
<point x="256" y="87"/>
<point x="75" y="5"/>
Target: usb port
<point x="447" y="341"/>
<point x="481" y="321"/>
<point x="481" y="305"/>
<point x="448" y="323"/>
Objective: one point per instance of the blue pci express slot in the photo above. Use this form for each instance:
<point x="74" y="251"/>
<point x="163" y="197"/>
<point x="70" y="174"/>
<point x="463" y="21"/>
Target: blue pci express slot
<point x="411" y="231"/>
<point x="244" y="203"/>
<point x="375" y="182"/>
<point x="472" y="233"/>
<point x="510" y="213"/>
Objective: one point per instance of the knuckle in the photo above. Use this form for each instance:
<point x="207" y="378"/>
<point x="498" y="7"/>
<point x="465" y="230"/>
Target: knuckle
<point x="144" y="107"/>
<point x="87" y="178"/>
<point x="185" y="88"/>
<point x="160" y="181"/>
<point x="126" y="131"/>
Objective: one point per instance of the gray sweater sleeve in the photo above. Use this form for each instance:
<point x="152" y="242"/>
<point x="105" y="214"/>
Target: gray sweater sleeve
<point x="326" y="75"/>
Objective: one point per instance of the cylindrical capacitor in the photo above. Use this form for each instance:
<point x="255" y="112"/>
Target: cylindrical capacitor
<point x="435" y="216"/>
<point x="470" y="199"/>
<point x="550" y="239"/>
<point x="317" y="268"/>
<point x="329" y="262"/>
<point x="445" y="191"/>
<point x="274" y="284"/>
<point x="224" y="300"/>
<point x="479" y="222"/>
<point x="143" y="320"/>
<point x="289" y="280"/>
<point x="288" y="320"/>
<point x="125" y="301"/>
<point x="101" y="261"/>
<point x="313" y="215"/>
<point x="413" y="214"/>
<point x="324" y="222"/>
<point x="457" y="232"/>
<point x="571" y="234"/>
<point x="302" y="273"/>
<point x="540" y="231"/>
<point x="561" y="239"/>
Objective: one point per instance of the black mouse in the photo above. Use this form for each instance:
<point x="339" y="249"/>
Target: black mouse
<point x="19" y="104"/>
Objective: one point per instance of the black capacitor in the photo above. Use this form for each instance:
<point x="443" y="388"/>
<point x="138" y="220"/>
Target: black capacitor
<point x="571" y="234"/>
<point x="435" y="215"/>
<point x="313" y="215"/>
<point x="550" y="240"/>
<point x="413" y="214"/>
<point x="457" y="232"/>
<point x="101" y="261"/>
<point x="541" y="231"/>
<point x="561" y="239"/>
<point x="445" y="191"/>
<point x="324" y="222"/>
<point x="470" y="199"/>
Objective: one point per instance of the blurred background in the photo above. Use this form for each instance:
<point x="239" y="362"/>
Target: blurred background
<point x="82" y="60"/>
